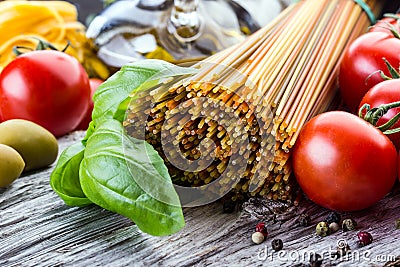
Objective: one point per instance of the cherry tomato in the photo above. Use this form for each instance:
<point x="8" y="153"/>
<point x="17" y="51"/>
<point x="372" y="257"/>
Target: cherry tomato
<point x="344" y="163"/>
<point x="94" y="83"/>
<point x="47" y="87"/>
<point x="364" y="57"/>
<point x="385" y="92"/>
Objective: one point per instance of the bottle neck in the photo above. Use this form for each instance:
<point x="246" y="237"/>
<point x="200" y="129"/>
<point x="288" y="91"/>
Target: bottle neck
<point x="186" y="5"/>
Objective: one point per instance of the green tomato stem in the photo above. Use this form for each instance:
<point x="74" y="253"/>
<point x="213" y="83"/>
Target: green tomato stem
<point x="391" y="28"/>
<point x="393" y="72"/>
<point x="372" y="116"/>
<point x="392" y="16"/>
<point x="42" y="45"/>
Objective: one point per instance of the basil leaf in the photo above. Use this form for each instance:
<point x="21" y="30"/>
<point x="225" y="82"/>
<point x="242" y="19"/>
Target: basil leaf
<point x="112" y="163"/>
<point x="131" y="77"/>
<point x="64" y="179"/>
<point x="101" y="170"/>
<point x="89" y="132"/>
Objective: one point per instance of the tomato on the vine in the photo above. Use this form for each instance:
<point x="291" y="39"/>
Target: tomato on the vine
<point x="84" y="124"/>
<point x="344" y="163"/>
<point x="361" y="61"/>
<point x="385" y="92"/>
<point x="47" y="87"/>
<point x="385" y="24"/>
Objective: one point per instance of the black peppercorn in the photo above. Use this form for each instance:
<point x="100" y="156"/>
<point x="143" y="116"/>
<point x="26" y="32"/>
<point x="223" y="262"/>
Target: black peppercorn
<point x="315" y="260"/>
<point x="228" y="206"/>
<point x="277" y="244"/>
<point x="349" y="224"/>
<point x="303" y="220"/>
<point x="333" y="217"/>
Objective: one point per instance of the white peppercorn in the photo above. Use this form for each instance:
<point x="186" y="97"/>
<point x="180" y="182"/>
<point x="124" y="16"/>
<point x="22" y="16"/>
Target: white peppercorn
<point x="257" y="237"/>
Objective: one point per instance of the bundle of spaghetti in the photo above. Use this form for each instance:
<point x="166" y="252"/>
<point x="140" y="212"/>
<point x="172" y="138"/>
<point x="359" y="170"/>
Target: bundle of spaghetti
<point x="23" y="23"/>
<point x="246" y="105"/>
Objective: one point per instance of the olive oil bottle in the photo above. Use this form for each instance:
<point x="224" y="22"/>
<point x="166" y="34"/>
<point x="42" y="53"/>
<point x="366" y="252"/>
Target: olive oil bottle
<point x="173" y="30"/>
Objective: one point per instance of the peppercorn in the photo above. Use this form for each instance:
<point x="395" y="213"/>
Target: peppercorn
<point x="303" y="220"/>
<point x="333" y="217"/>
<point x="364" y="238"/>
<point x="333" y="227"/>
<point x="228" y="206"/>
<point x="262" y="228"/>
<point x="257" y="237"/>
<point x="397" y="224"/>
<point x="277" y="244"/>
<point x="315" y="260"/>
<point x="322" y="229"/>
<point x="349" y="224"/>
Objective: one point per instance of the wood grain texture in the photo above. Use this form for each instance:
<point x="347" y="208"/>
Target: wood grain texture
<point x="38" y="229"/>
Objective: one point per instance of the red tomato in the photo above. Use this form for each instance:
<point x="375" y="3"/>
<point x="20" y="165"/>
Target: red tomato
<point x="47" y="87"/>
<point x="343" y="163"/>
<point x="94" y="83"/>
<point x="398" y="167"/>
<point x="363" y="57"/>
<point x="385" y="92"/>
<point x="383" y="25"/>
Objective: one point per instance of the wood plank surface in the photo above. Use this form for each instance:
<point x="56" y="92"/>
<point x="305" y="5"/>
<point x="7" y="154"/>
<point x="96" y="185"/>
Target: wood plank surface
<point x="38" y="229"/>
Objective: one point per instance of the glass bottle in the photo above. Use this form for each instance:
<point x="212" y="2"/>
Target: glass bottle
<point x="172" y="30"/>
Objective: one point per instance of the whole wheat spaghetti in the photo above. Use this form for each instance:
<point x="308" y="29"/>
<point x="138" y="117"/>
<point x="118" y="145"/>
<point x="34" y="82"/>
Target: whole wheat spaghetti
<point x="273" y="82"/>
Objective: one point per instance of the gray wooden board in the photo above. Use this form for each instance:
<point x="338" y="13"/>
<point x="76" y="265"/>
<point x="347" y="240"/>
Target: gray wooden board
<point x="38" y="229"/>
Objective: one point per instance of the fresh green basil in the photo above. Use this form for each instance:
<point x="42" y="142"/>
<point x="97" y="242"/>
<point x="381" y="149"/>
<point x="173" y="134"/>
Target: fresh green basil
<point x="108" y="177"/>
<point x="65" y="178"/>
<point x="105" y="166"/>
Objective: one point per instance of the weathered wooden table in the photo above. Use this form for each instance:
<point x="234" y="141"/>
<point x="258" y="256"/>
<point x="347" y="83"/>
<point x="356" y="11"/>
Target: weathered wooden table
<point x="38" y="229"/>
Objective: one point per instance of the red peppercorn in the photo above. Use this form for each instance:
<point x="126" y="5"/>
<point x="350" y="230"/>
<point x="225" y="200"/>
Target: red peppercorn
<point x="262" y="228"/>
<point x="364" y="238"/>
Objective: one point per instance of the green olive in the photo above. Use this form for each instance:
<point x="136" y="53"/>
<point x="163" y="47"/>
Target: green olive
<point x="11" y="165"/>
<point x="37" y="146"/>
